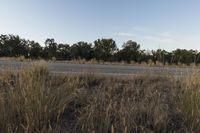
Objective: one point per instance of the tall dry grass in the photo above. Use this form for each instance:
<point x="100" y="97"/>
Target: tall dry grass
<point x="189" y="102"/>
<point x="137" y="105"/>
<point x="33" y="100"/>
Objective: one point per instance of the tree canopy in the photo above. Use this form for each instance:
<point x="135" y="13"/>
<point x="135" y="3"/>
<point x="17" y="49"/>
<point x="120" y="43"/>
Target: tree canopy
<point x="104" y="49"/>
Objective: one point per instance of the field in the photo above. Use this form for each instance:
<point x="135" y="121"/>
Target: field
<point x="32" y="100"/>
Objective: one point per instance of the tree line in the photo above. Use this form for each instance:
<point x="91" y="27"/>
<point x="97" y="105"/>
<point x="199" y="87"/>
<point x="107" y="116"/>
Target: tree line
<point x="101" y="50"/>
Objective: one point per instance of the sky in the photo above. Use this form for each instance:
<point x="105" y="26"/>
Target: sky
<point x="165" y="24"/>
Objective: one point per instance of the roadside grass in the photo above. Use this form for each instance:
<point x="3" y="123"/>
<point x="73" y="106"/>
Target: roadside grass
<point x="149" y="63"/>
<point x="189" y="102"/>
<point x="33" y="100"/>
<point x="138" y="105"/>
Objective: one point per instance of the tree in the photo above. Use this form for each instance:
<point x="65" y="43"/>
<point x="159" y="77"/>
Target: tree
<point x="104" y="49"/>
<point x="35" y="50"/>
<point x="50" y="49"/>
<point x="63" y="52"/>
<point x="185" y="56"/>
<point x="6" y="50"/>
<point x="13" y="46"/>
<point x="130" y="51"/>
<point x="82" y="50"/>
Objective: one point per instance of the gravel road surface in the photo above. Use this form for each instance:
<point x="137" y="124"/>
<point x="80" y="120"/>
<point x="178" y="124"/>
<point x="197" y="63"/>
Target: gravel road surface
<point x="103" y="69"/>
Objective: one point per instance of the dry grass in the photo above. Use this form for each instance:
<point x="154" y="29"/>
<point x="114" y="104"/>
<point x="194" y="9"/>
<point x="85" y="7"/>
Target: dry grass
<point x="33" y="100"/>
<point x="189" y="103"/>
<point x="138" y="105"/>
<point x="150" y="63"/>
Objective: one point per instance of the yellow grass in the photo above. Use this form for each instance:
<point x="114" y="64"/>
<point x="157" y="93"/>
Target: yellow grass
<point x="32" y="100"/>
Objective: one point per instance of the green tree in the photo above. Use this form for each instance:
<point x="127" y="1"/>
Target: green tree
<point x="185" y="56"/>
<point x="50" y="49"/>
<point x="82" y="50"/>
<point x="13" y="46"/>
<point x="161" y="55"/>
<point x="130" y="51"/>
<point x="104" y="49"/>
<point x="63" y="52"/>
<point x="35" y="50"/>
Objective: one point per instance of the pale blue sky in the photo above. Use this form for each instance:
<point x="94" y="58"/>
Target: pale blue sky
<point x="167" y="24"/>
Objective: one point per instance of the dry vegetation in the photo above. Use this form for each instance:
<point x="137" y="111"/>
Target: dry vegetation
<point x="33" y="101"/>
<point x="150" y="63"/>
